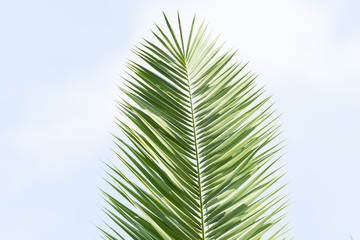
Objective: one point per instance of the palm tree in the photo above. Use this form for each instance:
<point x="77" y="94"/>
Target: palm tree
<point x="200" y="144"/>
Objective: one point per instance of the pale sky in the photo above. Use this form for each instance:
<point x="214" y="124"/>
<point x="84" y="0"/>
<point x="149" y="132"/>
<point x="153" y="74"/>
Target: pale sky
<point x="60" y="60"/>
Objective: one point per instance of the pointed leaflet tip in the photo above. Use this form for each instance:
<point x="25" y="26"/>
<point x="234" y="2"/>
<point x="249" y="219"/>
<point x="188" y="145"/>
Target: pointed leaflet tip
<point x="181" y="32"/>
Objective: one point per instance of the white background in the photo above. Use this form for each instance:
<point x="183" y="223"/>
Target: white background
<point x="60" y="60"/>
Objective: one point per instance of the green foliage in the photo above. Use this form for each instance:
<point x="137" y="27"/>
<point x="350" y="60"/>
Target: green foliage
<point x="201" y="142"/>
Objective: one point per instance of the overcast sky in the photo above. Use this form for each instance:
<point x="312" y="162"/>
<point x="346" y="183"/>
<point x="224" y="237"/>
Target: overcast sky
<point x="60" y="60"/>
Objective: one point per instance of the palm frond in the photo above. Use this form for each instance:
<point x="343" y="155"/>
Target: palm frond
<point x="201" y="142"/>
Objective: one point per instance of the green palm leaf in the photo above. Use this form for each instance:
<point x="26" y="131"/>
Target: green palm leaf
<point x="200" y="140"/>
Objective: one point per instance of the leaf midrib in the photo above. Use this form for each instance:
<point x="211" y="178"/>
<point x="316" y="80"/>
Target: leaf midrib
<point x="202" y="219"/>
